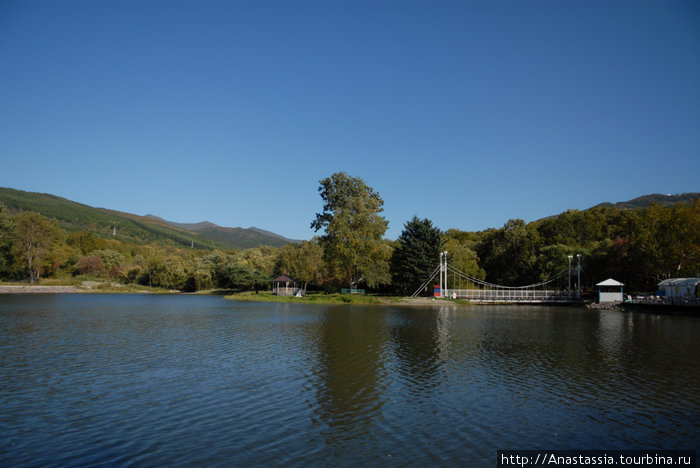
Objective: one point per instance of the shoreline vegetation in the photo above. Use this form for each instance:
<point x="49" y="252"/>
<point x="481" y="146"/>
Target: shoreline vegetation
<point x="343" y="299"/>
<point x="53" y="286"/>
<point x="97" y="287"/>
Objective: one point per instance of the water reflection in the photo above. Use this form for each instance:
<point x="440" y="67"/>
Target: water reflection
<point x="352" y="371"/>
<point x="420" y="340"/>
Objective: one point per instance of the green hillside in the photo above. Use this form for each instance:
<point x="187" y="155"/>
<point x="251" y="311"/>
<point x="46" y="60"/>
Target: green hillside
<point x="74" y="216"/>
<point x="647" y="200"/>
<point x="232" y="237"/>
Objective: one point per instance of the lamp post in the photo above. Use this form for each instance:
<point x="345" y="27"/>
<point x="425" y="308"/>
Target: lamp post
<point x="569" y="290"/>
<point x="444" y="256"/>
<point x="442" y="290"/>
<point x="578" y="293"/>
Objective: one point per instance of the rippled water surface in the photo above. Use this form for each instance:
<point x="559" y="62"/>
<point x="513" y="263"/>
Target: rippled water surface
<point x="152" y="380"/>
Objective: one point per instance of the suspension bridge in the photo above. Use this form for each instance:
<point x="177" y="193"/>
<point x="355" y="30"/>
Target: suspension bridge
<point x="477" y="290"/>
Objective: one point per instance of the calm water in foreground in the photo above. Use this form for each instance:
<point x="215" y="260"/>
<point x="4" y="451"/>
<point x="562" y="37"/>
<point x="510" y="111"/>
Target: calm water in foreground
<point x="152" y="380"/>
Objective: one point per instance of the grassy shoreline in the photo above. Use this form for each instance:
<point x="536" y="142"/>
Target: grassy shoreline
<point x="266" y="296"/>
<point x="341" y="299"/>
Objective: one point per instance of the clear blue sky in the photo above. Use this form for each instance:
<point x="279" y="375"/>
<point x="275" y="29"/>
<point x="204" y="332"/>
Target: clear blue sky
<point x="465" y="112"/>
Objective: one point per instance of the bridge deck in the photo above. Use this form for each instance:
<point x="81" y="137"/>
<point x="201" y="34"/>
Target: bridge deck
<point x="509" y="295"/>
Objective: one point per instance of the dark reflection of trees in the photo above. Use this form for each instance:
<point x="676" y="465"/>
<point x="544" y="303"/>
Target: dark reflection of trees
<point x="601" y="359"/>
<point x="655" y="353"/>
<point x="351" y="344"/>
<point x="416" y="337"/>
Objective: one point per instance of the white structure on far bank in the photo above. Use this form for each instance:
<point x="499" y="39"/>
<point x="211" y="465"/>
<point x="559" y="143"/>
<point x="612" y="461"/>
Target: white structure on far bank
<point x="609" y="296"/>
<point x="684" y="288"/>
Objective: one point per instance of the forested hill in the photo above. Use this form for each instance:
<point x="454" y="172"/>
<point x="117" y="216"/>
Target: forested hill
<point x="232" y="237"/>
<point x="646" y="201"/>
<point x="74" y="216"/>
<point x="637" y="245"/>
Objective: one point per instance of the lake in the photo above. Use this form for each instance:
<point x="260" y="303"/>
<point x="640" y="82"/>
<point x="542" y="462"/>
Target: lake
<point x="152" y="380"/>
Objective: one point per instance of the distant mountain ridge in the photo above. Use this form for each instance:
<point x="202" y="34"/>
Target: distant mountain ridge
<point x="647" y="200"/>
<point x="135" y="228"/>
<point x="224" y="234"/>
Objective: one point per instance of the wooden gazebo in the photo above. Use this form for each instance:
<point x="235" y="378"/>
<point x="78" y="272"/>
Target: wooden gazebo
<point x="285" y="286"/>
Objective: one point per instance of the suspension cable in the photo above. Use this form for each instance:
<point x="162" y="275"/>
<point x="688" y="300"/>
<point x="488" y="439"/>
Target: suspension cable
<point x="498" y="286"/>
<point x="432" y="277"/>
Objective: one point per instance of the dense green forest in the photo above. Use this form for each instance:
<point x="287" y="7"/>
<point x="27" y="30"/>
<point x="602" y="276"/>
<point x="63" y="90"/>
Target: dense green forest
<point x="639" y="247"/>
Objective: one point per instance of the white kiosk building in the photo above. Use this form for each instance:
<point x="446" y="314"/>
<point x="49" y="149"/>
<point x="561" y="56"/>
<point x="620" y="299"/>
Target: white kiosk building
<point x="609" y="296"/>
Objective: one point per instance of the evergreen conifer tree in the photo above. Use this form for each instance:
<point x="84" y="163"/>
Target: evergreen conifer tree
<point x="417" y="254"/>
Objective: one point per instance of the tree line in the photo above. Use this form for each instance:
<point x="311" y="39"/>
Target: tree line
<point x="638" y="247"/>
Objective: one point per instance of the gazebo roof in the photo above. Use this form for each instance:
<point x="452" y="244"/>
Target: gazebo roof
<point x="283" y="279"/>
<point x="610" y="282"/>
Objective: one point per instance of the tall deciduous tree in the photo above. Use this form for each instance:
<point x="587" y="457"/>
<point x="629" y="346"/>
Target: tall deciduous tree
<point x="464" y="259"/>
<point x="260" y="258"/>
<point x="352" y="245"/>
<point x="7" y="239"/>
<point x="416" y="255"/>
<point x="509" y="255"/>
<point x="167" y="271"/>
<point x="303" y="262"/>
<point x="35" y="234"/>
<point x="240" y="276"/>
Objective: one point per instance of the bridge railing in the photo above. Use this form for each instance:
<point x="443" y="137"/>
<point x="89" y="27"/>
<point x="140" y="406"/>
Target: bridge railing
<point x="511" y="295"/>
